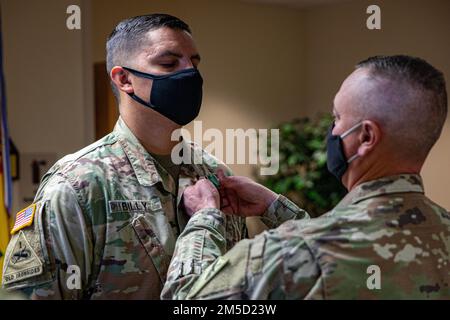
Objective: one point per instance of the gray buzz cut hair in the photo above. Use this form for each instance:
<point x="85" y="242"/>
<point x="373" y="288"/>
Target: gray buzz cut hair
<point x="127" y="37"/>
<point x="410" y="101"/>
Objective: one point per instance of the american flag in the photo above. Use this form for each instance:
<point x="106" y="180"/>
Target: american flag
<point x="24" y="218"/>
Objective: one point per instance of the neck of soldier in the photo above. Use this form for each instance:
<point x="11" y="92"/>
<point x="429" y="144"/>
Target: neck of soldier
<point x="363" y="170"/>
<point x="152" y="129"/>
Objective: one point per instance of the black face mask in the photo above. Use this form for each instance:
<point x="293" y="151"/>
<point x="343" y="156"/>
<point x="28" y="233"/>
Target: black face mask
<point x="177" y="96"/>
<point x="337" y="164"/>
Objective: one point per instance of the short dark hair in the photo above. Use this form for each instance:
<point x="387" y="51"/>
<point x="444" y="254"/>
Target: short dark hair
<point x="426" y="110"/>
<point x="127" y="37"/>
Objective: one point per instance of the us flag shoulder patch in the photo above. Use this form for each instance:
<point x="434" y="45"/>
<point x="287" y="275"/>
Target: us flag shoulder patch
<point x="24" y="218"/>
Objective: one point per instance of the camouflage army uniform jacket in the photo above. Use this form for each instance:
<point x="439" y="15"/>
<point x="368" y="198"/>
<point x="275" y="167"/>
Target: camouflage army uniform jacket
<point x="385" y="240"/>
<point x="110" y="214"/>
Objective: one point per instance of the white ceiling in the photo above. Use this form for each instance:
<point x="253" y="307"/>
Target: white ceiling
<point x="295" y="3"/>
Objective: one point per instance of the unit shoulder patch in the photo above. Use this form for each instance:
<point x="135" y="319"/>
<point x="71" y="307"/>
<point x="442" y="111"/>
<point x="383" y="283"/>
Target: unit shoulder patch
<point x="23" y="262"/>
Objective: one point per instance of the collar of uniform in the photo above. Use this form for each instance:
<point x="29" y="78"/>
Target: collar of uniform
<point x="402" y="183"/>
<point x="142" y="162"/>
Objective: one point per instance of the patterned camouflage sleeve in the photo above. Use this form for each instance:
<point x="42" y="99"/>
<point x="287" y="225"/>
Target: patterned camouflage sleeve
<point x="282" y="210"/>
<point x="50" y="258"/>
<point x="234" y="224"/>
<point x="201" y="242"/>
<point x="274" y="265"/>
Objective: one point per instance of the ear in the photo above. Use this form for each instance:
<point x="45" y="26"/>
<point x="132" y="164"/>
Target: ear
<point x="369" y="137"/>
<point x="121" y="79"/>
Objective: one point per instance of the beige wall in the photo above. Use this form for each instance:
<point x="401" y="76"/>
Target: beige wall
<point x="47" y="71"/>
<point x="45" y="77"/>
<point x="337" y="38"/>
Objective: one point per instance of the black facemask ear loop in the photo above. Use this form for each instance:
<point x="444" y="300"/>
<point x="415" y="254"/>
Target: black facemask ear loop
<point x="133" y="95"/>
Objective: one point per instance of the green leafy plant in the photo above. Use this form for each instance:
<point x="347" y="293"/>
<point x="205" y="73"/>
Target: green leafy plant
<point x="303" y="175"/>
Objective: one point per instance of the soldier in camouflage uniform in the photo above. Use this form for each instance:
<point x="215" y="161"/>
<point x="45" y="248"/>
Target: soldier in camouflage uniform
<point x="384" y="240"/>
<point x="105" y="219"/>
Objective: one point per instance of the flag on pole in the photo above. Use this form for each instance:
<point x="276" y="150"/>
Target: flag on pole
<point x="4" y="227"/>
<point x="5" y="171"/>
<point x="7" y="179"/>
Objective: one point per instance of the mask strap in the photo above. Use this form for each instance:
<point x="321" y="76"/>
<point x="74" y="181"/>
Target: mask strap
<point x="143" y="75"/>
<point x="140" y="74"/>
<point x="349" y="131"/>
<point x="161" y="76"/>
<point x="141" y="101"/>
<point x="353" y="158"/>
<point x="346" y="133"/>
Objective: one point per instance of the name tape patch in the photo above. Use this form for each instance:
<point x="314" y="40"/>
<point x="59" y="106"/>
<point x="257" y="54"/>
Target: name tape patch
<point x="134" y="205"/>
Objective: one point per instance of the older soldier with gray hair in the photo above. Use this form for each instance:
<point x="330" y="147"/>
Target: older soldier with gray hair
<point x="384" y="240"/>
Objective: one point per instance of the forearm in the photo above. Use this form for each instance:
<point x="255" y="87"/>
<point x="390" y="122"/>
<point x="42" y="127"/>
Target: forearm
<point x="282" y="210"/>
<point x="199" y="245"/>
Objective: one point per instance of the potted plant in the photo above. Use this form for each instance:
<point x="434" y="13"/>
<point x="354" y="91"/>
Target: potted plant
<point x="303" y="175"/>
